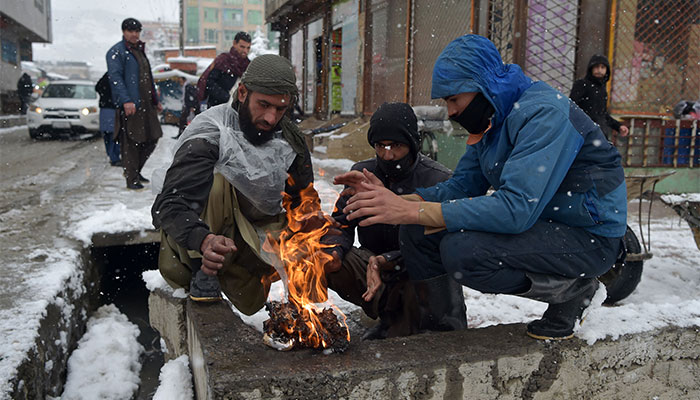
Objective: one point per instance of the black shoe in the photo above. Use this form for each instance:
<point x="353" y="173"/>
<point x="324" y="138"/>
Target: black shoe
<point x="117" y="163"/>
<point x="441" y="304"/>
<point x="559" y="320"/>
<point x="376" y="332"/>
<point x="135" y="186"/>
<point x="142" y="179"/>
<point x="204" y="288"/>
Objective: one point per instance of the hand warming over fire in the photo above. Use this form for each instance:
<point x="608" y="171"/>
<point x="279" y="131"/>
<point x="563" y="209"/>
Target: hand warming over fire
<point x="353" y="179"/>
<point x="381" y="206"/>
<point x="374" y="279"/>
<point x="334" y="264"/>
<point x="214" y="248"/>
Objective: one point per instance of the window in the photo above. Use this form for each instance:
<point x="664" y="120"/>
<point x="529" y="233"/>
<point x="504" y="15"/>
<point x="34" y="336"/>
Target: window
<point x="255" y="17"/>
<point x="229" y="35"/>
<point x="192" y="18"/>
<point x="254" y="1"/>
<point x="233" y="17"/>
<point x="233" y="2"/>
<point x="211" y="14"/>
<point x="9" y="51"/>
<point x="211" y="36"/>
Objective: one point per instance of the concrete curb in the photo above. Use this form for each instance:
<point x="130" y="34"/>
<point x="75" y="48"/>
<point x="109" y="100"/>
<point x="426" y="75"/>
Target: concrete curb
<point x="229" y="361"/>
<point x="44" y="369"/>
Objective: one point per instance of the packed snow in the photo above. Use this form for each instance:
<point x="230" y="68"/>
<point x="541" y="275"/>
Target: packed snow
<point x="175" y="378"/>
<point x="106" y="363"/>
<point x="668" y="295"/>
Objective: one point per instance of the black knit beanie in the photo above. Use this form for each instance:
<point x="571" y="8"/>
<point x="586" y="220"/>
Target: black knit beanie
<point x="396" y="122"/>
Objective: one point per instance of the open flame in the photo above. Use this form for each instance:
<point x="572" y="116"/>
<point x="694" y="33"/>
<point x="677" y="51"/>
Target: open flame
<point x="300" y="249"/>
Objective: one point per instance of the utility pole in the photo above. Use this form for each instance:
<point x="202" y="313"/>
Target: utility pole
<point x="182" y="28"/>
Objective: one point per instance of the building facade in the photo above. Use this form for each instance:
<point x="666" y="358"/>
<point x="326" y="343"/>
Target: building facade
<point x="216" y="22"/>
<point x="351" y="56"/>
<point x="22" y="22"/>
<point x="159" y="34"/>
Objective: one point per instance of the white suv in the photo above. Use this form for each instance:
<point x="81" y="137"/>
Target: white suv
<point x="65" y="107"/>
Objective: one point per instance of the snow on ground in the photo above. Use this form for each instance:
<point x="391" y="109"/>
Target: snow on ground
<point x="106" y="363"/>
<point x="175" y="378"/>
<point x="12" y="129"/>
<point x="669" y="293"/>
<point x="20" y="324"/>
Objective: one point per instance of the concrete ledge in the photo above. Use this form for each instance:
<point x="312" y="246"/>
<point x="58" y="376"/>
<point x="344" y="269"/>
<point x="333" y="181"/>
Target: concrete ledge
<point x="44" y="369"/>
<point x="125" y="238"/>
<point x="166" y="314"/>
<point x="229" y="361"/>
<point x="8" y="121"/>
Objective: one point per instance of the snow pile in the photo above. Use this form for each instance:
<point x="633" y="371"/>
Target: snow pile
<point x="119" y="218"/>
<point x="154" y="280"/>
<point x="680" y="198"/>
<point x="175" y="380"/>
<point x="106" y="363"/>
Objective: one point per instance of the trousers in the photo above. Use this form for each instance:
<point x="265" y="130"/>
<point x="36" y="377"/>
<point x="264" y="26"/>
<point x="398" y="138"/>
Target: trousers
<point x="497" y="263"/>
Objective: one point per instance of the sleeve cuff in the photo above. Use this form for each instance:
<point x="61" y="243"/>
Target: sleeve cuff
<point x="412" y="197"/>
<point x="196" y="237"/>
<point x="430" y="215"/>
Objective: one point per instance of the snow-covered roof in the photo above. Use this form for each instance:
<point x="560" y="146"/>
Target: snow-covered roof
<point x="175" y="72"/>
<point x="72" y="82"/>
<point x="186" y="48"/>
<point x="202" y="62"/>
<point x="55" y="76"/>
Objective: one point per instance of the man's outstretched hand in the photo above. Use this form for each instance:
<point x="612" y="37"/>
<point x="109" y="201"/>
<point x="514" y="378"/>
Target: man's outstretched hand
<point x="381" y="206"/>
<point x="374" y="279"/>
<point x="354" y="180"/>
<point x="214" y="249"/>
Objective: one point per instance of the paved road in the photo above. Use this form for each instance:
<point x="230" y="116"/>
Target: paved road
<point x="36" y="178"/>
<point x="30" y="167"/>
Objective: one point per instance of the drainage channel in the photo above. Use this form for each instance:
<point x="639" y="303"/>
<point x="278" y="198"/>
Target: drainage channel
<point x="121" y="284"/>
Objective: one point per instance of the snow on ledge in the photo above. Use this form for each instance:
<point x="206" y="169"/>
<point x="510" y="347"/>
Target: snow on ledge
<point x="116" y="219"/>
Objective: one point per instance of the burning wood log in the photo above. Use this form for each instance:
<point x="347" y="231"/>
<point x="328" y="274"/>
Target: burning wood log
<point x="289" y="327"/>
<point x="301" y="322"/>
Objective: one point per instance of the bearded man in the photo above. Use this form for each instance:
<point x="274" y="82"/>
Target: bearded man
<point x="223" y="190"/>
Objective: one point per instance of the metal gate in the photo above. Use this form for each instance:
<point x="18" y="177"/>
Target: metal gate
<point x="656" y="55"/>
<point x="545" y="30"/>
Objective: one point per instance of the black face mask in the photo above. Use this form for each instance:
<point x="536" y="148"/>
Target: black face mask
<point x="476" y="116"/>
<point x="395" y="169"/>
<point x="251" y="133"/>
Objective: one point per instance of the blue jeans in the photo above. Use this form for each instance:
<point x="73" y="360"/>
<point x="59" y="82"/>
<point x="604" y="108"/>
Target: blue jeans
<point x="497" y="263"/>
<point x="111" y="147"/>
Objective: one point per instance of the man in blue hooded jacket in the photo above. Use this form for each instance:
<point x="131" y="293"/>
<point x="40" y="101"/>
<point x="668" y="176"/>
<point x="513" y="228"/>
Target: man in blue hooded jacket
<point x="555" y="220"/>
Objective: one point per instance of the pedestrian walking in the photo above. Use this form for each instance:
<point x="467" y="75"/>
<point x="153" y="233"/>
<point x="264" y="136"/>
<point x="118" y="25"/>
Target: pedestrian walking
<point x="25" y="88"/>
<point x="108" y="112"/>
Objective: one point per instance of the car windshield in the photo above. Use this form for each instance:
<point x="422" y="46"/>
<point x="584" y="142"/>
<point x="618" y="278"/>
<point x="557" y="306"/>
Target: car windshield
<point x="70" y="91"/>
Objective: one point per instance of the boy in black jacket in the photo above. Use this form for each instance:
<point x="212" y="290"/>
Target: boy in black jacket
<point x="590" y="94"/>
<point x="372" y="275"/>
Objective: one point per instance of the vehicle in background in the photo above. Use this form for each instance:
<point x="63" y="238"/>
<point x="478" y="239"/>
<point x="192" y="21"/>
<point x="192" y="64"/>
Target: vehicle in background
<point x="65" y="108"/>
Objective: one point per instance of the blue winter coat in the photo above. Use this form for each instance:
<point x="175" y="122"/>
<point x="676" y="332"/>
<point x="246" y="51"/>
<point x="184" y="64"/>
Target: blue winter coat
<point x="123" y="71"/>
<point x="543" y="156"/>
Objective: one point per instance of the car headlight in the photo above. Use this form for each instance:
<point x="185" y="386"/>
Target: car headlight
<point x="88" y="110"/>
<point x="37" y="110"/>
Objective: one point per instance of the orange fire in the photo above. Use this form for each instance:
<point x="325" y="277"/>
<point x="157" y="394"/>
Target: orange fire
<point x="300" y="249"/>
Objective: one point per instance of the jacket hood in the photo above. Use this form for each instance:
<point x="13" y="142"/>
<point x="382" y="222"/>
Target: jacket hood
<point x="471" y="63"/>
<point x="595" y="60"/>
